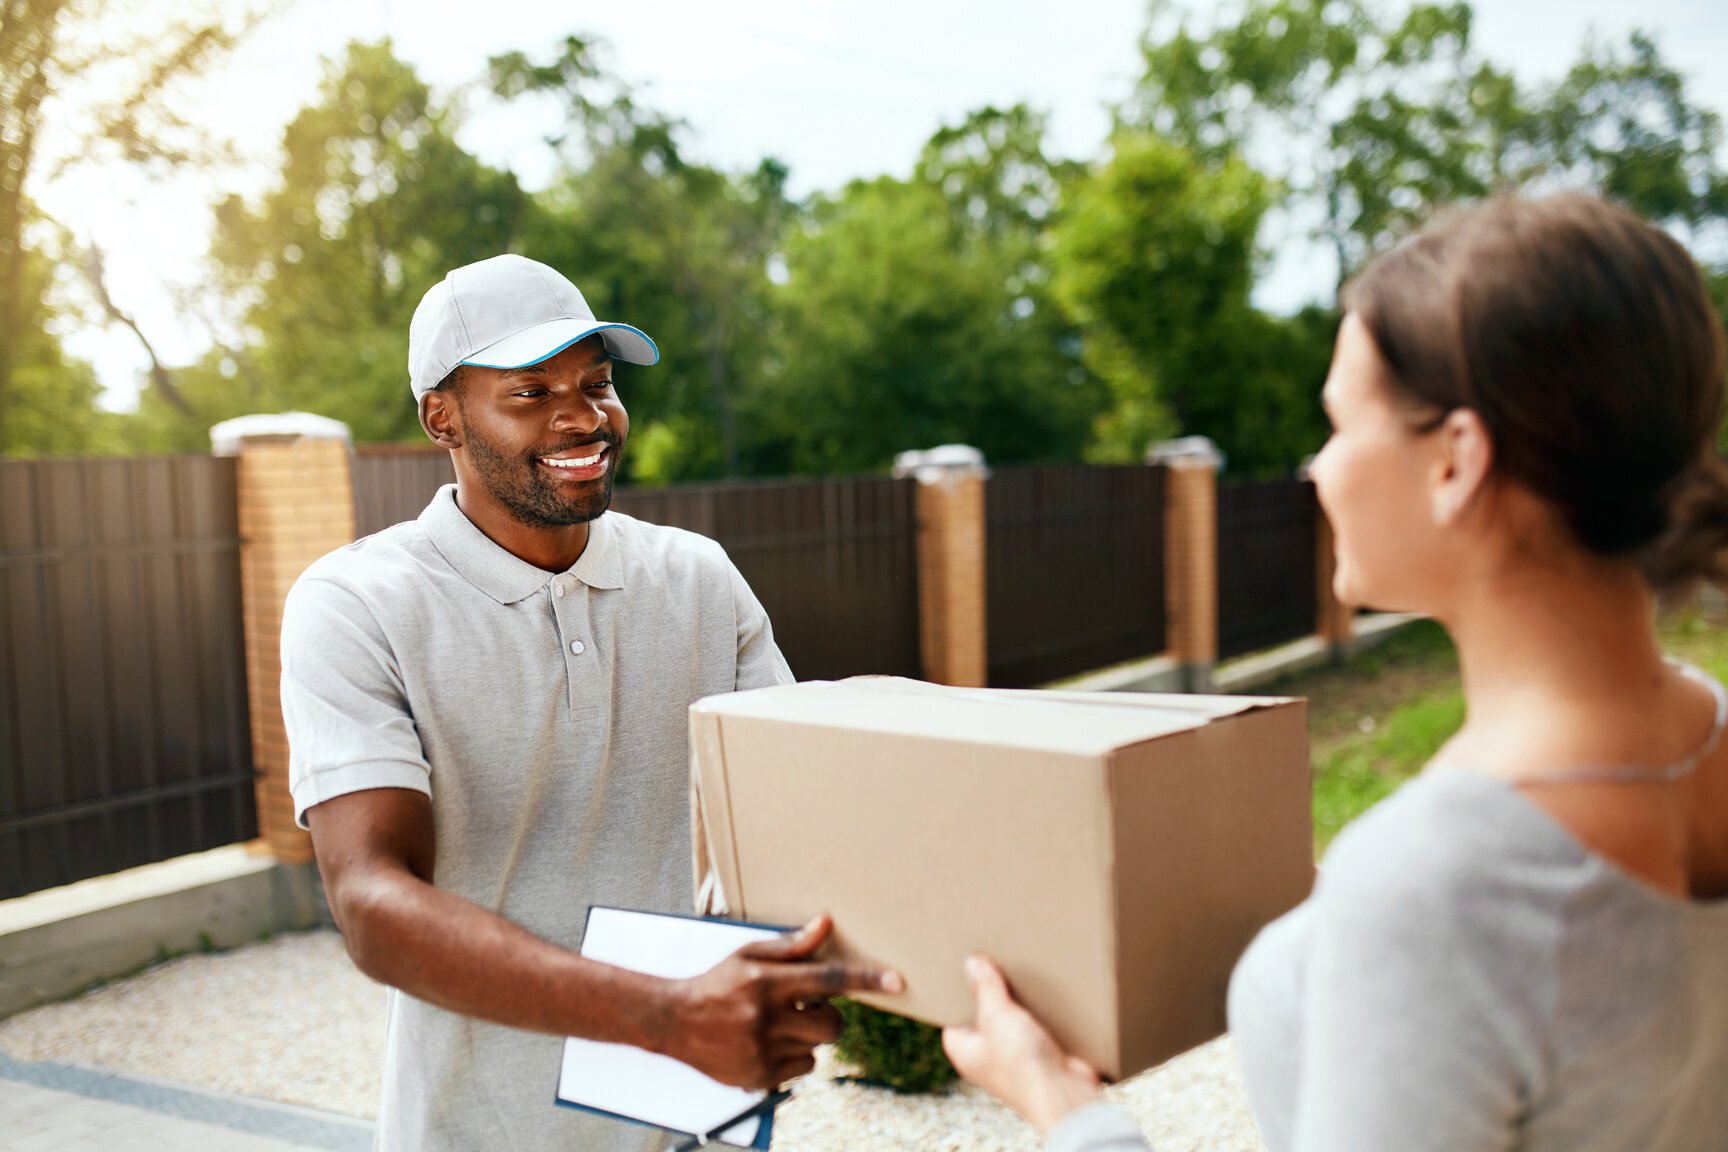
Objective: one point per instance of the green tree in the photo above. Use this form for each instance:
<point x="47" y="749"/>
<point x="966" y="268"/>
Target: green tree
<point x="1370" y="117"/>
<point x="653" y="239"/>
<point x="1155" y="259"/>
<point x="52" y="399"/>
<point x="1624" y="125"/>
<point x="376" y="202"/>
<point x="992" y="171"/>
<point x="918" y="312"/>
<point x="679" y="250"/>
<point x="48" y="49"/>
<point x="1364" y="121"/>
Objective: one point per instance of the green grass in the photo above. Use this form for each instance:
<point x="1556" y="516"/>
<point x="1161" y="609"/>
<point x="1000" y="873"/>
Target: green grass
<point x="1701" y="639"/>
<point x="1357" y="773"/>
<point x="1374" y="721"/>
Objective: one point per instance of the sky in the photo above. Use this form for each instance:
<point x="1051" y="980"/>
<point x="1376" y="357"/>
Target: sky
<point x="834" y="90"/>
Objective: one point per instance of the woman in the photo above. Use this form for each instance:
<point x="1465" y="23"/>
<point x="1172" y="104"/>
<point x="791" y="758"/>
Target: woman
<point x="1526" y="947"/>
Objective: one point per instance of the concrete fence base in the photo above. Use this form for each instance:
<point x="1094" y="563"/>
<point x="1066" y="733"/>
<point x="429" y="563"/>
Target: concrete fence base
<point x="60" y="941"/>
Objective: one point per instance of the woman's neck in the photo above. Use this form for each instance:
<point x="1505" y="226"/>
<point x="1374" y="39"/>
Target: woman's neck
<point x="1554" y="660"/>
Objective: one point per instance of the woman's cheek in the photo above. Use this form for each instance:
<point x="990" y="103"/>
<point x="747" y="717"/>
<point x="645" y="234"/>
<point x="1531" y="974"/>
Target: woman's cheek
<point x="1343" y="488"/>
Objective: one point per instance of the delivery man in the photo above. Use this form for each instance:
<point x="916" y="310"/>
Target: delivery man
<point x="487" y="714"/>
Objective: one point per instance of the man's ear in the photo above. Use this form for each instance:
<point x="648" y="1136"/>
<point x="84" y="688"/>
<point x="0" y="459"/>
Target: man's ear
<point x="1461" y="470"/>
<point x="440" y="418"/>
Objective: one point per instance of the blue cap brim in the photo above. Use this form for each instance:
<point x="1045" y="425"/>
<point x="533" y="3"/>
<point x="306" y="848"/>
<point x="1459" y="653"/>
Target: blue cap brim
<point x="543" y="341"/>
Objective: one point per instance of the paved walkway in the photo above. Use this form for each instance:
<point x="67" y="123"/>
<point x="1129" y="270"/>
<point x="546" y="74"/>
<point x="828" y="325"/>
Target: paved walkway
<point x="47" y="1107"/>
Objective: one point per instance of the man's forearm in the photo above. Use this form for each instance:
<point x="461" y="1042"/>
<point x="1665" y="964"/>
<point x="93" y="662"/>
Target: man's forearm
<point x="447" y="951"/>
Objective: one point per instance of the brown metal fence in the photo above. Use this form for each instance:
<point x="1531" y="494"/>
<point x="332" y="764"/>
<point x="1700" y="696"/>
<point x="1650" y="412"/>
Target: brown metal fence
<point x="1266" y="592"/>
<point x="123" y="724"/>
<point x="834" y="561"/>
<point x="395" y="483"/>
<point x="1075" y="569"/>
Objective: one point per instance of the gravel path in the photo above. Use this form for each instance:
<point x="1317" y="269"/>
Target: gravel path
<point x="292" y="1020"/>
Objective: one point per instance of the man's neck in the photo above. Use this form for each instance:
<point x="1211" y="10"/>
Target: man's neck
<point x="550" y="548"/>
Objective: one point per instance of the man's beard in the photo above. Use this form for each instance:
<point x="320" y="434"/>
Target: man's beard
<point x="529" y="494"/>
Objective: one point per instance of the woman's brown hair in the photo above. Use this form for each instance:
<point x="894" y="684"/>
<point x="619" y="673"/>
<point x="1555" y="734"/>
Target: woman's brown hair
<point x="1586" y="340"/>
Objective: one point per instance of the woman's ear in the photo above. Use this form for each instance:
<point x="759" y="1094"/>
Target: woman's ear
<point x="1466" y="457"/>
<point x="440" y="420"/>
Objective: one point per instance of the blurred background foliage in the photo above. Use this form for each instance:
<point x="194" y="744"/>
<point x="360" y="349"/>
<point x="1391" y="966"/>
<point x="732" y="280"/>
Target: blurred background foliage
<point x="1040" y="308"/>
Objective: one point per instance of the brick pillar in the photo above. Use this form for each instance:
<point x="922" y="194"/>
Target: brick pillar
<point x="296" y="504"/>
<point x="1334" y="621"/>
<point x="951" y="588"/>
<point x="1191" y="556"/>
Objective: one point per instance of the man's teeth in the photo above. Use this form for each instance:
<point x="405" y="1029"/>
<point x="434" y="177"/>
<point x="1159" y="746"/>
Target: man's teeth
<point x="573" y="461"/>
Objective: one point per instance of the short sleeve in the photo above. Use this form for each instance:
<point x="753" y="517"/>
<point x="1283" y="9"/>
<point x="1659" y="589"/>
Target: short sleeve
<point x="1421" y="1027"/>
<point x="760" y="664"/>
<point x="343" y="700"/>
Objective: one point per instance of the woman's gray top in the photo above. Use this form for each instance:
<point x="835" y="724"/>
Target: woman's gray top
<point x="1465" y="976"/>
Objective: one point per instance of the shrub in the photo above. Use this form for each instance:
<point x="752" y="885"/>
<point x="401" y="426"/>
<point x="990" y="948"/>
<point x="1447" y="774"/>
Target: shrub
<point x="893" y="1051"/>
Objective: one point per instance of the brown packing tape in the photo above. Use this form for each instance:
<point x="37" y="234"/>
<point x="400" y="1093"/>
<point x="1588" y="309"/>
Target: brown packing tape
<point x="702" y="872"/>
<point x="714" y="830"/>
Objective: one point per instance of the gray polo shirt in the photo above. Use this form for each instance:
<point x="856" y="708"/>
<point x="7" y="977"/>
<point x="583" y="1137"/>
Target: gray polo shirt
<point x="545" y="715"/>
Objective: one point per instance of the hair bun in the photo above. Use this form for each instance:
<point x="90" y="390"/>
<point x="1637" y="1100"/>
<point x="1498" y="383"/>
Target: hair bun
<point x="1624" y="518"/>
<point x="1695" y="545"/>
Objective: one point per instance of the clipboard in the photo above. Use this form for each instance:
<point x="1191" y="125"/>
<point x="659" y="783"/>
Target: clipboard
<point x="626" y="1083"/>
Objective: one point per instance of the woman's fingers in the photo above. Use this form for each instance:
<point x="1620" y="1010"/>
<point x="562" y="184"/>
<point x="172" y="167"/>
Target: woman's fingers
<point x="989" y="1041"/>
<point x="988" y="984"/>
<point x="1009" y="1053"/>
<point x="966" y="1050"/>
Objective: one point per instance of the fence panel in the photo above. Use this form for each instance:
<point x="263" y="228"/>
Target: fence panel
<point x="1266" y="593"/>
<point x="123" y="724"/>
<point x="393" y="483"/>
<point x="834" y="562"/>
<point x="1075" y="569"/>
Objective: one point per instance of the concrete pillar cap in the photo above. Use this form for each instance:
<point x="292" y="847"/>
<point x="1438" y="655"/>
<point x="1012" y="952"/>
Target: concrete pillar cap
<point x="1186" y="452"/>
<point x="942" y="464"/>
<point x="228" y="437"/>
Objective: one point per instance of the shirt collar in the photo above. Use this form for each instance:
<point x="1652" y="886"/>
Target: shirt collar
<point x="502" y="576"/>
<point x="601" y="564"/>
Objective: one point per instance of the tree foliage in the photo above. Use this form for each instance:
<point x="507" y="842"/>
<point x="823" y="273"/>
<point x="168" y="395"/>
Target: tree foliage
<point x="1156" y="260"/>
<point x="376" y="202"/>
<point x="51" y="402"/>
<point x="918" y="312"/>
<point x="1623" y="124"/>
<point x="48" y="49"/>
<point x="1370" y="118"/>
<point x="1039" y="308"/>
<point x="674" y="247"/>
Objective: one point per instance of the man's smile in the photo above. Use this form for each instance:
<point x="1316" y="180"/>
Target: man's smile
<point x="584" y="463"/>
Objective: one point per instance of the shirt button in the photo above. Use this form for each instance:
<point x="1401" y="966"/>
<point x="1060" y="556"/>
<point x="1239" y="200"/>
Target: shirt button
<point x="558" y="588"/>
<point x="576" y="647"/>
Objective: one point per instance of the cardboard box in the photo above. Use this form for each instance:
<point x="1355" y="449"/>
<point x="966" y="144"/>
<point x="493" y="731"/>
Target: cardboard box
<point x="1114" y="852"/>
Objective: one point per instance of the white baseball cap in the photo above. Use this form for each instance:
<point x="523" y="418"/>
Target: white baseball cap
<point x="507" y="312"/>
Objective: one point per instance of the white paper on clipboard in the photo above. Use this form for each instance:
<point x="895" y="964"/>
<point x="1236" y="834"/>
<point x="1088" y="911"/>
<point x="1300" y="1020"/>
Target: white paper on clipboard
<point x="635" y="1084"/>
